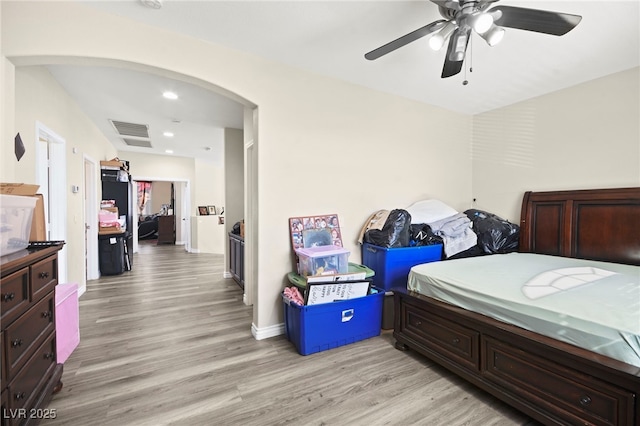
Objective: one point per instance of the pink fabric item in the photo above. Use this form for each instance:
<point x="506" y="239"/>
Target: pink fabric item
<point x="294" y="295"/>
<point x="67" y="321"/>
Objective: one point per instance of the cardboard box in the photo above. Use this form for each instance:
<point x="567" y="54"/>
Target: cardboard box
<point x="114" y="229"/>
<point x="38" y="223"/>
<point x="330" y="325"/>
<point x="242" y="229"/>
<point x="18" y="189"/>
<point x="112" y="163"/>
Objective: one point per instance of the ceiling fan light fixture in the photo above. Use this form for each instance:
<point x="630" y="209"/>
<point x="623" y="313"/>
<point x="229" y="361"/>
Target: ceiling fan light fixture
<point x="439" y="39"/>
<point x="482" y="22"/>
<point x="494" y="35"/>
<point x="459" y="46"/>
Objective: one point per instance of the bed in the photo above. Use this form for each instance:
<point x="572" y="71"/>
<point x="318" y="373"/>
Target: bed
<point x="557" y="366"/>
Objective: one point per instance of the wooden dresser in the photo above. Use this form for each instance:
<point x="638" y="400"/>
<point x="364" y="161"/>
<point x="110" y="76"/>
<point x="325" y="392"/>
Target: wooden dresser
<point x="167" y="229"/>
<point x="30" y="374"/>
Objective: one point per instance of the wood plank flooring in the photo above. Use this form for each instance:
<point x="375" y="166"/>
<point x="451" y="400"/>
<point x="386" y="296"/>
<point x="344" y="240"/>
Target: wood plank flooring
<point x="170" y="343"/>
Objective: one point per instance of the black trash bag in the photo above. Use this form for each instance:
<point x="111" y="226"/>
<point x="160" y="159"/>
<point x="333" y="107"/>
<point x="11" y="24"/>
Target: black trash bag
<point x="236" y="228"/>
<point x="495" y="235"/>
<point x="395" y="232"/>
<point x="470" y="252"/>
<point x="422" y="235"/>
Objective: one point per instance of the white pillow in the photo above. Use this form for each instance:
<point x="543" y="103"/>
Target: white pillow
<point x="429" y="211"/>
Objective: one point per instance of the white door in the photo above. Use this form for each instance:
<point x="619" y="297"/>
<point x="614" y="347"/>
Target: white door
<point x="91" y="218"/>
<point x="185" y="214"/>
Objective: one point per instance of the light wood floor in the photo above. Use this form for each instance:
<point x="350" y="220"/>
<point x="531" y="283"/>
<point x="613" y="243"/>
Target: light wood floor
<point x="170" y="343"/>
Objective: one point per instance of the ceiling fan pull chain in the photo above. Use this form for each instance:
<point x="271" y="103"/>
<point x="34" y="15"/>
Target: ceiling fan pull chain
<point x="470" y="56"/>
<point x="470" y="53"/>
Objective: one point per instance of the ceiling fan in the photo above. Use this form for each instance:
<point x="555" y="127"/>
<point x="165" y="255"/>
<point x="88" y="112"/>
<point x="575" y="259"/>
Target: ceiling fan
<point x="464" y="17"/>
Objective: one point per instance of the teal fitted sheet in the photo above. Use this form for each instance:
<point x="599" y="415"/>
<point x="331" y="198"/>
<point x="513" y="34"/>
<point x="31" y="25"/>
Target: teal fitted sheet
<point x="590" y="304"/>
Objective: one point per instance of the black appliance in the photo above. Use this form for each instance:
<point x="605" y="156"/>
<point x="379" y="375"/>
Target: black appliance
<point x="122" y="194"/>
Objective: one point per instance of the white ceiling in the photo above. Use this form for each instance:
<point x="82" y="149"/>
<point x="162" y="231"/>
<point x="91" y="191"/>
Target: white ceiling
<point x="331" y="38"/>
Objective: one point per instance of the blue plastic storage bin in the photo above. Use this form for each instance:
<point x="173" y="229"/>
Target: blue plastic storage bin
<point x="322" y="327"/>
<point x="392" y="265"/>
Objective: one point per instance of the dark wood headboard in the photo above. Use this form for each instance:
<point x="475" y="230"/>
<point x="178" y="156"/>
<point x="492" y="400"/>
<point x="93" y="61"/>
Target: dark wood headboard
<point x="597" y="224"/>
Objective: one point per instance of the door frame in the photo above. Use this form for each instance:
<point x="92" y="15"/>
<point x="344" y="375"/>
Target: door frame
<point x="51" y="174"/>
<point x="90" y="209"/>
<point x="185" y="206"/>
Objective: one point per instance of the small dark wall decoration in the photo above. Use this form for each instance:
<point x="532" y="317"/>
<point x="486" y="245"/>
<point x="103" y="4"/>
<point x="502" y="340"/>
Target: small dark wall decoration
<point x="19" y="147"/>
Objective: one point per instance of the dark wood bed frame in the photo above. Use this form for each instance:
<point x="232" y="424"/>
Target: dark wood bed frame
<point x="551" y="381"/>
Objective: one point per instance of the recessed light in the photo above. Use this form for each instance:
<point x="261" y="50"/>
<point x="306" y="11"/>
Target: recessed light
<point x="169" y="151"/>
<point x="168" y="134"/>
<point x="170" y="95"/>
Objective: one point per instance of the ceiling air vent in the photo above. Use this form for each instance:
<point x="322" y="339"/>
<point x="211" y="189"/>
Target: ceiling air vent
<point x="144" y="143"/>
<point x="132" y="134"/>
<point x="131" y="129"/>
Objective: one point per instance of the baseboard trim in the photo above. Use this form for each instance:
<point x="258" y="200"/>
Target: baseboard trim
<point x="267" y="332"/>
<point x="227" y="274"/>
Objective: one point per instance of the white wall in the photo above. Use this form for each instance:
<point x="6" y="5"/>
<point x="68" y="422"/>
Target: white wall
<point x="209" y="191"/>
<point x="38" y="97"/>
<point x="330" y="146"/>
<point x="586" y="136"/>
<point x="7" y="115"/>
<point x="160" y="193"/>
<point x="234" y="176"/>
<point x="325" y="145"/>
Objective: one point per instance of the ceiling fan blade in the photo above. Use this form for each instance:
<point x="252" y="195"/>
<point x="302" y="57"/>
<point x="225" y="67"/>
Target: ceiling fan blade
<point x="541" y="21"/>
<point x="457" y="43"/>
<point x="405" y="39"/>
<point x="449" y="4"/>
<point x="483" y="4"/>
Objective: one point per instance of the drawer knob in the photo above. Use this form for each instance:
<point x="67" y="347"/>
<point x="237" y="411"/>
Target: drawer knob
<point x="7" y="297"/>
<point x="585" y="400"/>
<point x="16" y="342"/>
<point x="46" y="314"/>
<point x="455" y="341"/>
<point x="48" y="355"/>
<point x="44" y="275"/>
<point x="19" y="395"/>
<point x="418" y="322"/>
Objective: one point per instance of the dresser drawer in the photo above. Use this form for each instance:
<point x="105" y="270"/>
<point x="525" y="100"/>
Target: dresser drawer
<point x="570" y="395"/>
<point x="44" y="277"/>
<point x="30" y="381"/>
<point x="28" y="332"/>
<point x="14" y="295"/>
<point x="4" y="413"/>
<point x="2" y="362"/>
<point x="444" y="337"/>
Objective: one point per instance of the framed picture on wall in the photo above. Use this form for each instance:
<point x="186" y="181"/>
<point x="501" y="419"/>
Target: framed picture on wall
<point x="203" y="210"/>
<point x="221" y="220"/>
<point x="212" y="209"/>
